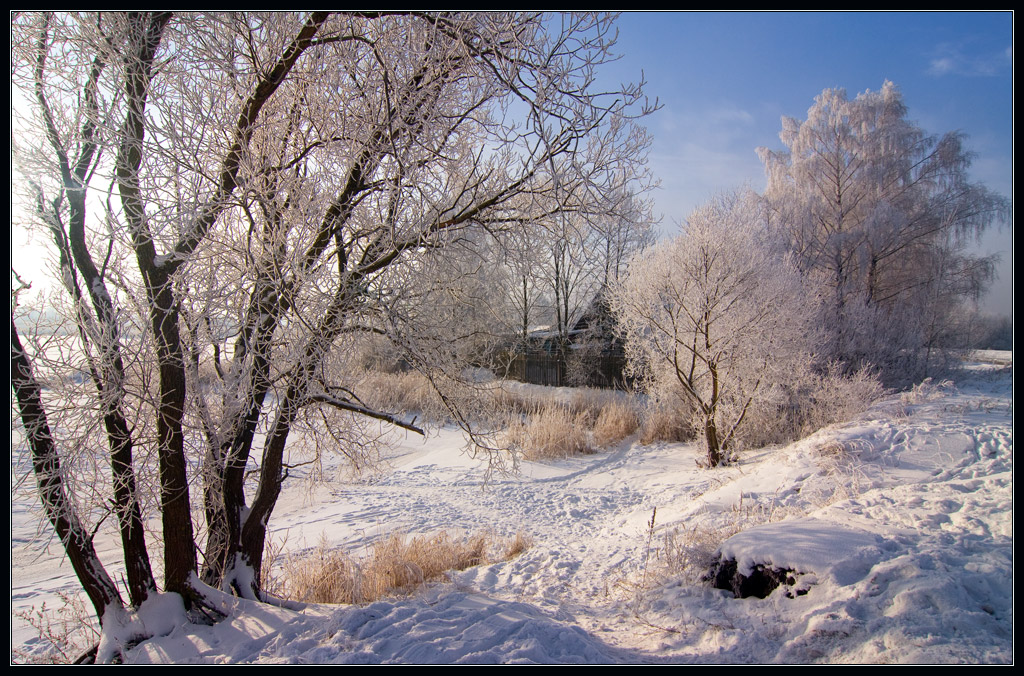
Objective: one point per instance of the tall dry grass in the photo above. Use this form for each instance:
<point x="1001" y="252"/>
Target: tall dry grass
<point x="662" y="423"/>
<point x="408" y="391"/>
<point x="542" y="423"/>
<point x="616" y="421"/>
<point x="553" y="432"/>
<point x="555" y="423"/>
<point x="395" y="564"/>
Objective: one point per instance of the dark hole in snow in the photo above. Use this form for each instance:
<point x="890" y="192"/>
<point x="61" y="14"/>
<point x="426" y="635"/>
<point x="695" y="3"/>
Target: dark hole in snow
<point x="761" y="581"/>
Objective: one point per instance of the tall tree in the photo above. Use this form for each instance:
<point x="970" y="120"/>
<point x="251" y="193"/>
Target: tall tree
<point x="280" y="184"/>
<point x="882" y="213"/>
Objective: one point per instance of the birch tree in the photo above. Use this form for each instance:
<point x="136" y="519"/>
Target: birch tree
<point x="882" y="213"/>
<point x="232" y="199"/>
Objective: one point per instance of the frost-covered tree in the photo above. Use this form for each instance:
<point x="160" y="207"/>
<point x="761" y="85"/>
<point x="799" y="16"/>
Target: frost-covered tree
<point x="558" y="275"/>
<point x="718" y="320"/>
<point x="233" y="201"/>
<point x="882" y="213"/>
<point x="625" y="230"/>
<point x="570" y="271"/>
<point x="522" y="294"/>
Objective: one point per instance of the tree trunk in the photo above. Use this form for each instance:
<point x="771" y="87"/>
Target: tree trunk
<point x="179" y="542"/>
<point x="179" y="545"/>
<point x="109" y="381"/>
<point x="59" y="510"/>
<point x="711" y="436"/>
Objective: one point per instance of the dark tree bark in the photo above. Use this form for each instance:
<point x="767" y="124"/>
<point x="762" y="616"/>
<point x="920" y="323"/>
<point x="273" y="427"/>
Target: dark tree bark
<point x="110" y="374"/>
<point x="59" y="509"/>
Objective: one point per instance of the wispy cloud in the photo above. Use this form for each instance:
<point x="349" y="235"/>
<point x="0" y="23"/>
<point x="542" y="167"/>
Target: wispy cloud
<point x="941" y="66"/>
<point x="954" y="59"/>
<point x="701" y="148"/>
<point x="715" y="122"/>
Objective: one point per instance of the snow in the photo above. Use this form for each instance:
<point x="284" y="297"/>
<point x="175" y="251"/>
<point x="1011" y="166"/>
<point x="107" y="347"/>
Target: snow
<point x="799" y="545"/>
<point x="158" y="616"/>
<point x="899" y="524"/>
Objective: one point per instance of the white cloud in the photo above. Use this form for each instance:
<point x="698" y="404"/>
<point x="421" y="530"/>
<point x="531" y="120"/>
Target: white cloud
<point x="953" y="59"/>
<point x="941" y="66"/>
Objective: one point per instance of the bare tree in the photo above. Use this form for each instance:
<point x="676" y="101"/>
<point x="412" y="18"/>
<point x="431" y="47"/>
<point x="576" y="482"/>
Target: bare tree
<point x="556" y="268"/>
<point x="524" y="294"/>
<point x="280" y="184"/>
<point x="626" y="229"/>
<point x="881" y="213"/>
<point x="717" y="321"/>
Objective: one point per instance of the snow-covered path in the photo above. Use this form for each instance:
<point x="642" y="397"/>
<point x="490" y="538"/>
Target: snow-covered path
<point x="898" y="526"/>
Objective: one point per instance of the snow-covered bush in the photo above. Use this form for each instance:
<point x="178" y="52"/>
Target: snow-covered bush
<point x="824" y="396"/>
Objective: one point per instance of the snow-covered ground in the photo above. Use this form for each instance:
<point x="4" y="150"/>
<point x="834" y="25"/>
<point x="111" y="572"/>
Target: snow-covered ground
<point x="898" y="527"/>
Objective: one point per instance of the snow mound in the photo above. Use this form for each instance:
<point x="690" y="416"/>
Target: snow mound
<point x="443" y="626"/>
<point x="799" y="545"/>
<point x="452" y="627"/>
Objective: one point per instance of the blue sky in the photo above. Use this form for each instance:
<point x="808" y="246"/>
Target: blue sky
<point x="726" y="79"/>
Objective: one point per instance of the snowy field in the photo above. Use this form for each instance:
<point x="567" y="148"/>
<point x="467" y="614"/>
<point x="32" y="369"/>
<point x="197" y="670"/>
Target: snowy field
<point x="898" y="527"/>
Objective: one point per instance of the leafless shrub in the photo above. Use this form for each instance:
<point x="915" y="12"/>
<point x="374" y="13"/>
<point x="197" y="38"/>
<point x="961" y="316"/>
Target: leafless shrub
<point x="805" y="406"/>
<point x="65" y="633"/>
<point x="837" y="397"/>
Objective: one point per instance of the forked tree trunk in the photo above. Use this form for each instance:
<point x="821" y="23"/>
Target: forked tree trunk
<point x="175" y="507"/>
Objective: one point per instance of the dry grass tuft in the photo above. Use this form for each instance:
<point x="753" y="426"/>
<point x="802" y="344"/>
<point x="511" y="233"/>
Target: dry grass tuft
<point x="516" y="545"/>
<point x="616" y="421"/>
<point x="395" y="565"/>
<point x="553" y="432"/>
<point x="690" y="552"/>
<point x="326" y="576"/>
<point x="408" y="391"/>
<point x="927" y="390"/>
<point x="664" y="424"/>
<point x="842" y="476"/>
